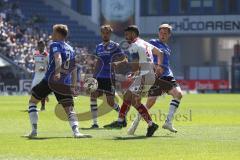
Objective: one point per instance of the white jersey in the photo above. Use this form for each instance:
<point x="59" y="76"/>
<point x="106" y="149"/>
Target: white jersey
<point x="41" y="62"/>
<point x="145" y="80"/>
<point x="144" y="51"/>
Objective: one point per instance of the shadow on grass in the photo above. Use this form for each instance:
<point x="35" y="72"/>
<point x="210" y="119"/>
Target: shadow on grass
<point x="93" y="129"/>
<point x="167" y="136"/>
<point x="45" y="138"/>
<point x="25" y="110"/>
<point x="129" y="138"/>
<point x="141" y="137"/>
<point x="133" y="137"/>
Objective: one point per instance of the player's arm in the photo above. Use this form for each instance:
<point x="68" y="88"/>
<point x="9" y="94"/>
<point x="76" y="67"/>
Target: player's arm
<point x="97" y="67"/>
<point x="74" y="85"/>
<point x="46" y="62"/>
<point x="135" y="65"/>
<point x="44" y="68"/>
<point x="121" y="60"/>
<point x="159" y="54"/>
<point x="74" y="77"/>
<point x="58" y="64"/>
<point x="35" y="68"/>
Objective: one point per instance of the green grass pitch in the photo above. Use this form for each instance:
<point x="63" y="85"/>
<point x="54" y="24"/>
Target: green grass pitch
<point x="208" y="125"/>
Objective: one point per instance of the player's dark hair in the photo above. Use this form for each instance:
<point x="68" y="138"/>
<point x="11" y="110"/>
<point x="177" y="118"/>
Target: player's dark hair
<point x="132" y="28"/>
<point x="106" y="27"/>
<point x="62" y="29"/>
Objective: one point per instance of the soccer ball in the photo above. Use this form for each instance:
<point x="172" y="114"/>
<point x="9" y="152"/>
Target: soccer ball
<point x="90" y="85"/>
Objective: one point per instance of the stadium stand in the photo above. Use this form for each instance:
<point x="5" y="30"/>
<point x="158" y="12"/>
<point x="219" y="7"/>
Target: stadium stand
<point x="38" y="11"/>
<point x="21" y="28"/>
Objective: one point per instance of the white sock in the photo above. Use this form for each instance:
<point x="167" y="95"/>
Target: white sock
<point x="73" y="121"/>
<point x="138" y="117"/>
<point x="136" y="121"/>
<point x="94" y="110"/>
<point x="33" y="116"/>
<point x="172" y="109"/>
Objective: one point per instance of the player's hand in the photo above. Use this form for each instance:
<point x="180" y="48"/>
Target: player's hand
<point x="159" y="71"/>
<point x="57" y="76"/>
<point x="133" y="75"/>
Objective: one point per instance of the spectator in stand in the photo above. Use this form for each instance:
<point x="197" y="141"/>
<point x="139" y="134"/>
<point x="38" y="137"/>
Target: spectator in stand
<point x="19" y="37"/>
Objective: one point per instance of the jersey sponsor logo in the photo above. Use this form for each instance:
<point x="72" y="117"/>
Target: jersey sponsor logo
<point x="25" y="85"/>
<point x="55" y="49"/>
<point x="204" y="84"/>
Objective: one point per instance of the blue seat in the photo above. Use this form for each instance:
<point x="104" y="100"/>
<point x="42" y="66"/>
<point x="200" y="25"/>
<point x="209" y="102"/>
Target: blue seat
<point x="78" y="33"/>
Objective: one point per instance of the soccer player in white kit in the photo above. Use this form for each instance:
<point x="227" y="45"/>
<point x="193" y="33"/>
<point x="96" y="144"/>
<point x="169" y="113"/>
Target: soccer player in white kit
<point x="41" y="63"/>
<point x="167" y="76"/>
<point x="141" y="53"/>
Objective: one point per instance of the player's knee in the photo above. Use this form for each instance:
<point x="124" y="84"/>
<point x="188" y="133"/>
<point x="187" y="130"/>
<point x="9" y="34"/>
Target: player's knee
<point x="33" y="100"/>
<point x="150" y="102"/>
<point x="94" y="95"/>
<point x="110" y="101"/>
<point x="127" y="99"/>
<point x="135" y="105"/>
<point x="179" y="95"/>
<point x="93" y="99"/>
<point x="66" y="102"/>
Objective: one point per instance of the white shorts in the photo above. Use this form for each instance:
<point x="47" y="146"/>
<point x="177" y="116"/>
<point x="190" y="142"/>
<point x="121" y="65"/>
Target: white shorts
<point x="142" y="84"/>
<point x="37" y="79"/>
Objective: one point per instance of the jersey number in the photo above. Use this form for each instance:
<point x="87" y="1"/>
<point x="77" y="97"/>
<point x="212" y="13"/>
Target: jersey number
<point x="147" y="53"/>
<point x="67" y="63"/>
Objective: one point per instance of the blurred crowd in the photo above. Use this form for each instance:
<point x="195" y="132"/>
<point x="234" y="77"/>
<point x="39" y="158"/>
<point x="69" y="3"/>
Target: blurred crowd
<point x="87" y="59"/>
<point x="19" y="37"/>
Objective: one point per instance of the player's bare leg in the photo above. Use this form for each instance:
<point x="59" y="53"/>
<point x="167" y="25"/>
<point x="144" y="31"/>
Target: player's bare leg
<point x="73" y="120"/>
<point x="94" y="109"/>
<point x="143" y="111"/>
<point x="111" y="102"/>
<point x="150" y="102"/>
<point x="43" y="104"/>
<point x="121" y="122"/>
<point x="33" y="116"/>
<point x="177" y="96"/>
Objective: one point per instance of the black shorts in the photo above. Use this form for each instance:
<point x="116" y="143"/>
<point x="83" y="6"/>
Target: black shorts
<point x="42" y="90"/>
<point x="105" y="85"/>
<point x="162" y="85"/>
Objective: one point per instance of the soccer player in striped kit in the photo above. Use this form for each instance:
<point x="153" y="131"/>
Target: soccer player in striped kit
<point x="60" y="78"/>
<point x="107" y="52"/>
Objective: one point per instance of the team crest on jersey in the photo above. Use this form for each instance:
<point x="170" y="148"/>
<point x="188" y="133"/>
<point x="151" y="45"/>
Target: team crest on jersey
<point x="55" y="49"/>
<point x="167" y="51"/>
<point x="109" y="47"/>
